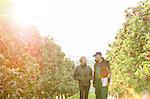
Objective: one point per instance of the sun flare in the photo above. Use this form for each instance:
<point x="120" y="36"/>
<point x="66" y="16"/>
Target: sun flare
<point x="26" y="11"/>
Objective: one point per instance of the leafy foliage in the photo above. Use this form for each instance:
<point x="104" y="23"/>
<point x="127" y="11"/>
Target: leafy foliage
<point x="32" y="65"/>
<point x="18" y="70"/>
<point x="129" y="53"/>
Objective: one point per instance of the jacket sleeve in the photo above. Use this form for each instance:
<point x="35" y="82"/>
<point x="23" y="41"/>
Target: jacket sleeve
<point x="108" y="65"/>
<point x="109" y="79"/>
<point x="76" y="74"/>
<point x="91" y="76"/>
<point x="94" y="75"/>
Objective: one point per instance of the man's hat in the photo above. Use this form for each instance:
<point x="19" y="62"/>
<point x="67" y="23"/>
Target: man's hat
<point x="97" y="53"/>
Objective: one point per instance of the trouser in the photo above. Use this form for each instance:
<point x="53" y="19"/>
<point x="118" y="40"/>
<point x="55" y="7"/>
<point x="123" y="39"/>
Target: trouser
<point x="84" y="91"/>
<point x="100" y="91"/>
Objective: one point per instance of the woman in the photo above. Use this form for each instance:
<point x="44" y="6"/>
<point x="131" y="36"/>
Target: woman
<point x="83" y="74"/>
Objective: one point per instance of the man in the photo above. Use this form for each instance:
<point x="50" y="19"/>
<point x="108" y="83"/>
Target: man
<point x="101" y="76"/>
<point x="83" y="74"/>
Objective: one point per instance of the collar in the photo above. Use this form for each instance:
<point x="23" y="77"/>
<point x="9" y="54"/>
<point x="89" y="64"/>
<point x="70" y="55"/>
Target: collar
<point x="83" y="65"/>
<point x="101" y="61"/>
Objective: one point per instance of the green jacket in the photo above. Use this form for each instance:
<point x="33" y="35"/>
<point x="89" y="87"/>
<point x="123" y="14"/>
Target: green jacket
<point x="83" y="74"/>
<point x="99" y="66"/>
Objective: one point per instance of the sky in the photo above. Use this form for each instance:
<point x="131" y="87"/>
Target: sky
<point x="80" y="27"/>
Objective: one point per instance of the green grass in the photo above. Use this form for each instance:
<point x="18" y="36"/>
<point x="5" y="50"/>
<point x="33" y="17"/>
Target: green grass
<point x="91" y="96"/>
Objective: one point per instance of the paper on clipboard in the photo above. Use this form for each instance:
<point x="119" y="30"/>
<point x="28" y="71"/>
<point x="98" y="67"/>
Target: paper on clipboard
<point x="104" y="82"/>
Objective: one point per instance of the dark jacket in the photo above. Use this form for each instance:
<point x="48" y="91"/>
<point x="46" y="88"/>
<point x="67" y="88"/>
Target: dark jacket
<point x="83" y="74"/>
<point x="104" y="63"/>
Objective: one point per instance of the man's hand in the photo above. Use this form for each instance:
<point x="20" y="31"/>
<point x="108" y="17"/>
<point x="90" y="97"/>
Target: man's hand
<point x="108" y="76"/>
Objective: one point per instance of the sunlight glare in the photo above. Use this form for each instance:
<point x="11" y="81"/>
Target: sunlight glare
<point x="26" y="11"/>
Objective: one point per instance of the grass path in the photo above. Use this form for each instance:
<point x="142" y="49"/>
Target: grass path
<point x="91" y="96"/>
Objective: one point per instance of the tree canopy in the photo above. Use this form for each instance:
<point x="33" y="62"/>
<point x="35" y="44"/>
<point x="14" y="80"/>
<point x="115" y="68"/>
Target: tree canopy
<point x="129" y="54"/>
<point x="31" y="64"/>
